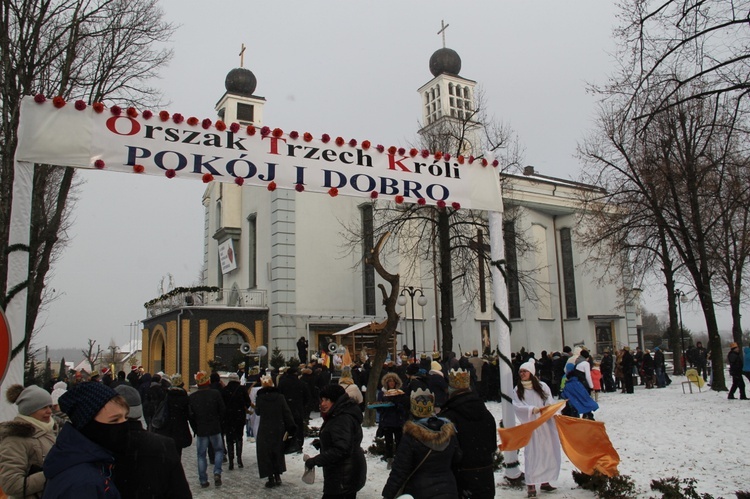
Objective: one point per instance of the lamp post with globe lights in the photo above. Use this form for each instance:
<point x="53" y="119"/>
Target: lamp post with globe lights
<point x="411" y="291"/>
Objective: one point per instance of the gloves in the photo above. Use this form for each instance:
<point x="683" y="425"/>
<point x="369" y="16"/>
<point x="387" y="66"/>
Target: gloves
<point x="316" y="444"/>
<point x="309" y="462"/>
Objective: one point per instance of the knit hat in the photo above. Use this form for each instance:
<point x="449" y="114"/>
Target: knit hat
<point x="528" y="366"/>
<point x="30" y="399"/>
<point x="458" y="379"/>
<point x="422" y="403"/>
<point x="176" y="379"/>
<point x="84" y="401"/>
<point x="56" y="394"/>
<point x="733" y="345"/>
<point x="60" y="385"/>
<point x="332" y="392"/>
<point x="412" y="369"/>
<point x="202" y="378"/>
<point x="435" y="366"/>
<point x="133" y="398"/>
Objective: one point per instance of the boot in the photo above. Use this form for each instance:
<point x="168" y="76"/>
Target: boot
<point x="277" y="479"/>
<point x="231" y="458"/>
<point x="530" y="491"/>
<point x="390" y="463"/>
<point x="239" y="462"/>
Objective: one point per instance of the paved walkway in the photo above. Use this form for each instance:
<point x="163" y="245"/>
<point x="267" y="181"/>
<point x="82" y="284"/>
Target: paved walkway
<point x="245" y="482"/>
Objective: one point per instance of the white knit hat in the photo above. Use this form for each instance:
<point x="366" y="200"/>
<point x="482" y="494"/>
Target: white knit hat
<point x="529" y="366"/>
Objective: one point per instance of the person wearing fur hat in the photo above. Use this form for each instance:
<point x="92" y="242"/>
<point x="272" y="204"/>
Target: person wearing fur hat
<point x="25" y="441"/>
<point x="81" y="462"/>
<point x="206" y="414"/>
<point x="297" y="395"/>
<point x="542" y="457"/>
<point x="394" y="410"/>
<point x="276" y="424"/>
<point x="427" y="454"/>
<point x="341" y="455"/>
<point x="347" y="381"/>
<point x="477" y="437"/>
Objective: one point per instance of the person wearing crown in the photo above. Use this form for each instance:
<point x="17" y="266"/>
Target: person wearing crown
<point x="542" y="458"/>
<point x="477" y="437"/>
<point x="426" y="455"/>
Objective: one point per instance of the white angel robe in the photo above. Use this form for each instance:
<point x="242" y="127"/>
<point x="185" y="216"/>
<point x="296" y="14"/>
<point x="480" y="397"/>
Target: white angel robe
<point x="542" y="457"/>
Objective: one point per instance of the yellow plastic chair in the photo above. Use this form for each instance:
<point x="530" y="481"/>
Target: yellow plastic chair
<point x="693" y="378"/>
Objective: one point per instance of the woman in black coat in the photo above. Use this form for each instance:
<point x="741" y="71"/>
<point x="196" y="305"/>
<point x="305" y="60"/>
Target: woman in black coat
<point x="426" y="456"/>
<point x="275" y="421"/>
<point x="237" y="402"/>
<point x="341" y="455"/>
<point x="177" y="427"/>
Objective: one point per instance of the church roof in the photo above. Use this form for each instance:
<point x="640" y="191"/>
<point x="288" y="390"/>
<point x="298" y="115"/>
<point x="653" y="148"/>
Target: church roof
<point x="445" y="60"/>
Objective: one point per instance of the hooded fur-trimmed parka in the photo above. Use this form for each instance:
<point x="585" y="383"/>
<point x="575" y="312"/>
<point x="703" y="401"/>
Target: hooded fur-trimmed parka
<point x="23" y="447"/>
<point x="434" y="477"/>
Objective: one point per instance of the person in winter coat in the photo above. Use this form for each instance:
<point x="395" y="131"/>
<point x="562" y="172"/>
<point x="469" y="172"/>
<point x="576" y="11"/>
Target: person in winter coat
<point x="438" y="385"/>
<point x="394" y="410"/>
<point x="607" y="369"/>
<point x="659" y="368"/>
<point x="276" y="423"/>
<point x="177" y="426"/>
<point x="149" y="467"/>
<point x="81" y="463"/>
<point x="236" y="403"/>
<point x="428" y="452"/>
<point x="347" y="381"/>
<point x="627" y="363"/>
<point x="736" y="361"/>
<point x="297" y="395"/>
<point x="647" y="367"/>
<point x="542" y="458"/>
<point x="341" y="455"/>
<point x="206" y="416"/>
<point x="25" y="441"/>
<point x="477" y="438"/>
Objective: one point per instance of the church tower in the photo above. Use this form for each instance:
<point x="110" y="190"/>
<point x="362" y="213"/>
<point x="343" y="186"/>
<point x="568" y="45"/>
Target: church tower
<point x="448" y="107"/>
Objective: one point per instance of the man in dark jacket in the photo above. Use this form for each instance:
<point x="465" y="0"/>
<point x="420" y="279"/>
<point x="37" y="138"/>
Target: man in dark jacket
<point x="236" y="402"/>
<point x="627" y="370"/>
<point x="297" y="395"/>
<point x="206" y="415"/>
<point x="149" y="467"/>
<point x="341" y="455"/>
<point x="607" y="370"/>
<point x="477" y="438"/>
<point x="735" y="361"/>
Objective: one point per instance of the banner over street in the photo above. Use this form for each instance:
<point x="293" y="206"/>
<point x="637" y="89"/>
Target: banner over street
<point x="126" y="140"/>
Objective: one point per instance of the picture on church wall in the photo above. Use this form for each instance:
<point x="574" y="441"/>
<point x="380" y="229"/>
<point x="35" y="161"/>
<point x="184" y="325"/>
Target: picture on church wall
<point x="227" y="256"/>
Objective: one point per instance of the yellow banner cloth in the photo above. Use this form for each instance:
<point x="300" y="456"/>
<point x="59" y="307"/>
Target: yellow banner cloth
<point x="587" y="445"/>
<point x="519" y="436"/>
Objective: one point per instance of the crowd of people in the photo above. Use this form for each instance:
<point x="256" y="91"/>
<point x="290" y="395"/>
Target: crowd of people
<point x="99" y="436"/>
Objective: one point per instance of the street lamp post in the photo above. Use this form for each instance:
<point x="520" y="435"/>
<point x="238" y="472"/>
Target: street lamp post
<point x="681" y="298"/>
<point x="421" y="301"/>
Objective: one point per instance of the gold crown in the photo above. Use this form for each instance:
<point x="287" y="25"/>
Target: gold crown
<point x="458" y="379"/>
<point x="422" y="403"/>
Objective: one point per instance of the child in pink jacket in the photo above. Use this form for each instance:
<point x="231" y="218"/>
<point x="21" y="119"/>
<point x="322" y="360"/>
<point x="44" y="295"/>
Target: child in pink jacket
<point x="596" y="378"/>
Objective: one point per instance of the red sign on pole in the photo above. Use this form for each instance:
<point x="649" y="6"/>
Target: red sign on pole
<point x="5" y="345"/>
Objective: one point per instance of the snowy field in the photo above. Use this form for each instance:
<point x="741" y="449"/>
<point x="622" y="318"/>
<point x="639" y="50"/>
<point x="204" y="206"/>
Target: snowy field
<point x="658" y="433"/>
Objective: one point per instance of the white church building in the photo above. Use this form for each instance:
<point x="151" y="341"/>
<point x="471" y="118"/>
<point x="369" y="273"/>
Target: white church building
<point x="281" y="260"/>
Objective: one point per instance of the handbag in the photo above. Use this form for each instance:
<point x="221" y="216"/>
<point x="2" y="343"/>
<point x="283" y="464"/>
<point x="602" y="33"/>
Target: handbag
<point x="401" y="490"/>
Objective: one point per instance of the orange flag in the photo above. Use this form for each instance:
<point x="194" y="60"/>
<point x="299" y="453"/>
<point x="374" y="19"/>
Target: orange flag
<point x="347" y="360"/>
<point x="587" y="445"/>
<point x="519" y="436"/>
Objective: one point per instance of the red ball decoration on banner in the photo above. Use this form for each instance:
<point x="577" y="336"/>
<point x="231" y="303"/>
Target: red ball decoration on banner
<point x="132" y="112"/>
<point x="456" y="205"/>
<point x="271" y="186"/>
<point x="147" y="114"/>
<point x="163" y="115"/>
<point x="192" y="121"/>
<point x="234" y="127"/>
<point x="40" y="99"/>
<point x="220" y="126"/>
<point x="299" y="187"/>
<point x="207" y="177"/>
<point x="80" y="105"/>
<point x="399" y="199"/>
<point x="239" y="181"/>
<point x="58" y="102"/>
<point x="115" y="110"/>
<point x="441" y="204"/>
<point x="333" y="192"/>
<point x="99" y="164"/>
<point x="138" y="168"/>
<point x="170" y="173"/>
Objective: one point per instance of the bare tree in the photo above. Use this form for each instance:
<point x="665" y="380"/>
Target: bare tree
<point x="93" y="50"/>
<point x="92" y="355"/>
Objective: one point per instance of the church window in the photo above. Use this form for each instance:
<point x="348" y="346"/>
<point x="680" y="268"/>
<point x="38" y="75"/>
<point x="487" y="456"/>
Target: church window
<point x="368" y="270"/>
<point x="511" y="259"/>
<point x="568" y="272"/>
<point x="252" y="252"/>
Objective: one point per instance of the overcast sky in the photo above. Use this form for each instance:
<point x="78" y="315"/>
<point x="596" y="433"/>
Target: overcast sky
<point x="350" y="69"/>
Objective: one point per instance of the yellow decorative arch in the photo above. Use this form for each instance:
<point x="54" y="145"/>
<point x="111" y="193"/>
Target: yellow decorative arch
<point x="254" y="339"/>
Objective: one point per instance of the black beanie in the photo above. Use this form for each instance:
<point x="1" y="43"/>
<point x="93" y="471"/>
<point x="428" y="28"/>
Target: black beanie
<point x="412" y="369"/>
<point x="84" y="401"/>
<point x="332" y="392"/>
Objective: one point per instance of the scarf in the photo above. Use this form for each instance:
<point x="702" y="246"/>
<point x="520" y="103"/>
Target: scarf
<point x="48" y="427"/>
<point x="527" y="385"/>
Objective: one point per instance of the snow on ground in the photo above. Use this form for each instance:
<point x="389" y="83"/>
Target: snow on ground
<point x="659" y="433"/>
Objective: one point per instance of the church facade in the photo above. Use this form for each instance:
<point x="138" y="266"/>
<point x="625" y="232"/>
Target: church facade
<point x="277" y="267"/>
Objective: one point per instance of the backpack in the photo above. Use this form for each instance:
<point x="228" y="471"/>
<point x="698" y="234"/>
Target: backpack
<point x="161" y="415"/>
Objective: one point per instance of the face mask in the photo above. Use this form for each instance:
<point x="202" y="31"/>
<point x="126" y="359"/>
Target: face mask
<point x="113" y="437"/>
